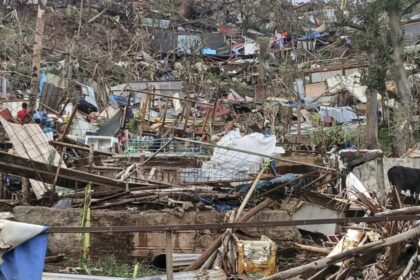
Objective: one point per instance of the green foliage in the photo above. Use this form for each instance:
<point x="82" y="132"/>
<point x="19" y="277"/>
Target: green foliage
<point x="331" y="135"/>
<point x="134" y="123"/>
<point x="72" y="12"/>
<point x="384" y="139"/>
<point x="240" y="87"/>
<point x="109" y="266"/>
<point x="371" y="37"/>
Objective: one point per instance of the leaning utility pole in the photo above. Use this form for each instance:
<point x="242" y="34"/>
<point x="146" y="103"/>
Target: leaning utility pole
<point x="36" y="59"/>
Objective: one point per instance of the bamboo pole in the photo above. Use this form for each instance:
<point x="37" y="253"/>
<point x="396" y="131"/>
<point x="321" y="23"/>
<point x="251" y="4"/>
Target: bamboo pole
<point x="68" y="125"/>
<point x="250" y="192"/>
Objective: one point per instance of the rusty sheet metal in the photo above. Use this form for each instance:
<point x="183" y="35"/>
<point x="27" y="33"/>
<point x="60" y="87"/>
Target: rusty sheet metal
<point x="257" y="257"/>
<point x="190" y="275"/>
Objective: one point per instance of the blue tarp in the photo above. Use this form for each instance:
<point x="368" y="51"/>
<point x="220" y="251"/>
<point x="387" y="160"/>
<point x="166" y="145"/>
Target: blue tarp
<point x="208" y="51"/>
<point x="311" y="35"/>
<point x="266" y="185"/>
<point x="42" y="80"/>
<point x="221" y="207"/>
<point x="120" y="100"/>
<point x="26" y="261"/>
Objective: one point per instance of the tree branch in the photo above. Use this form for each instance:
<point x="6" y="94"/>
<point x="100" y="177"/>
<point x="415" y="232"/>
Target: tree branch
<point x="410" y="7"/>
<point x="354" y="25"/>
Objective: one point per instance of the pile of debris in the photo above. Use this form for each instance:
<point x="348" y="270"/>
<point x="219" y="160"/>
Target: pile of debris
<point x="240" y="147"/>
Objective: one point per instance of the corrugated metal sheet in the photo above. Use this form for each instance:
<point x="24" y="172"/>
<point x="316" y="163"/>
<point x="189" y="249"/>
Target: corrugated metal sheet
<point x="312" y="211"/>
<point x="190" y="275"/>
<point x="112" y="125"/>
<point x="52" y="96"/>
<point x="14" y="106"/>
<point x="156" y="23"/>
<point x="323" y="76"/>
<point x="188" y="43"/>
<point x="412" y="32"/>
<point x="29" y="141"/>
<point x="161" y="87"/>
<point x="166" y="41"/>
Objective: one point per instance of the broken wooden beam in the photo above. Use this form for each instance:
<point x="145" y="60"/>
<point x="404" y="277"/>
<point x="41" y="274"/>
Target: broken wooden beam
<point x="313" y="249"/>
<point x="216" y="243"/>
<point x="46" y="173"/>
<point x="401" y="211"/>
<point x="362" y="250"/>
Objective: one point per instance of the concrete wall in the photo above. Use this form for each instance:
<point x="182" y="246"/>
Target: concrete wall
<point x="367" y="171"/>
<point x="143" y="244"/>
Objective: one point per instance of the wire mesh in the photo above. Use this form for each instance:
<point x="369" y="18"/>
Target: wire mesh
<point x="148" y="145"/>
<point x="223" y="164"/>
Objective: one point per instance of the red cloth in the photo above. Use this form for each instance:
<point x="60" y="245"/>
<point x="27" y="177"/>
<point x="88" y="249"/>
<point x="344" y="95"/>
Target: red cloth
<point x="21" y="115"/>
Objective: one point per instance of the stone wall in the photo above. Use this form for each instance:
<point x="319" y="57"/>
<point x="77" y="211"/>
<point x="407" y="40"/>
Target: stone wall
<point x="124" y="245"/>
<point x="367" y="171"/>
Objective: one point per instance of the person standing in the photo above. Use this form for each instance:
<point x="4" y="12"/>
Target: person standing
<point x="21" y="115"/>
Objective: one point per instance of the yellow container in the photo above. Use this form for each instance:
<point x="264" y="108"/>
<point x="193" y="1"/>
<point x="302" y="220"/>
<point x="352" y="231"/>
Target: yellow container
<point x="256" y="257"/>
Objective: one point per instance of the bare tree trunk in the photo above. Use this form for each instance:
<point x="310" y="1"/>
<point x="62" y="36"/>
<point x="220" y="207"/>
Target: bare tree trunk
<point x="36" y="60"/>
<point x="372" y="119"/>
<point x="403" y="115"/>
<point x="399" y="74"/>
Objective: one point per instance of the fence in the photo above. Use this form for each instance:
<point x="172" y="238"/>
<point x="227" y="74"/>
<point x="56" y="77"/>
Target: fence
<point x="148" y="145"/>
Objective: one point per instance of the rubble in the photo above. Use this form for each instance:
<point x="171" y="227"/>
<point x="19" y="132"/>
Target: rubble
<point x="227" y="140"/>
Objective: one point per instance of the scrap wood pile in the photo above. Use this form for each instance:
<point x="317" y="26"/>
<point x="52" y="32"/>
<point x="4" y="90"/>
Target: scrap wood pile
<point x="383" y="250"/>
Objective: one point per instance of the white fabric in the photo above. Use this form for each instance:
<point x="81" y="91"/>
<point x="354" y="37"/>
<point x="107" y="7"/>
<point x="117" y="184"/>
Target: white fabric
<point x="13" y="234"/>
<point x="353" y="185"/>
<point x="227" y="164"/>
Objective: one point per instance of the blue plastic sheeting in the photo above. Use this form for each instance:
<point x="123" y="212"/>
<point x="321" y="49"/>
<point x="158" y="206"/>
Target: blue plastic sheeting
<point x="26" y="261"/>
<point x="310" y="36"/>
<point x="266" y="185"/>
<point x="42" y="80"/>
<point x="221" y="207"/>
<point x="121" y="101"/>
<point x="208" y="52"/>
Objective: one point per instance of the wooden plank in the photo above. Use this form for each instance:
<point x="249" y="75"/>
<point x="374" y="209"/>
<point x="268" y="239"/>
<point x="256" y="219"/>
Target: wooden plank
<point x="46" y="172"/>
<point x="315" y="90"/>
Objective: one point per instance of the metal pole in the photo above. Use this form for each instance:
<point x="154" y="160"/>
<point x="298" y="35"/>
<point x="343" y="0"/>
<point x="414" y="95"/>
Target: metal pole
<point x="169" y="264"/>
<point x="266" y="224"/>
